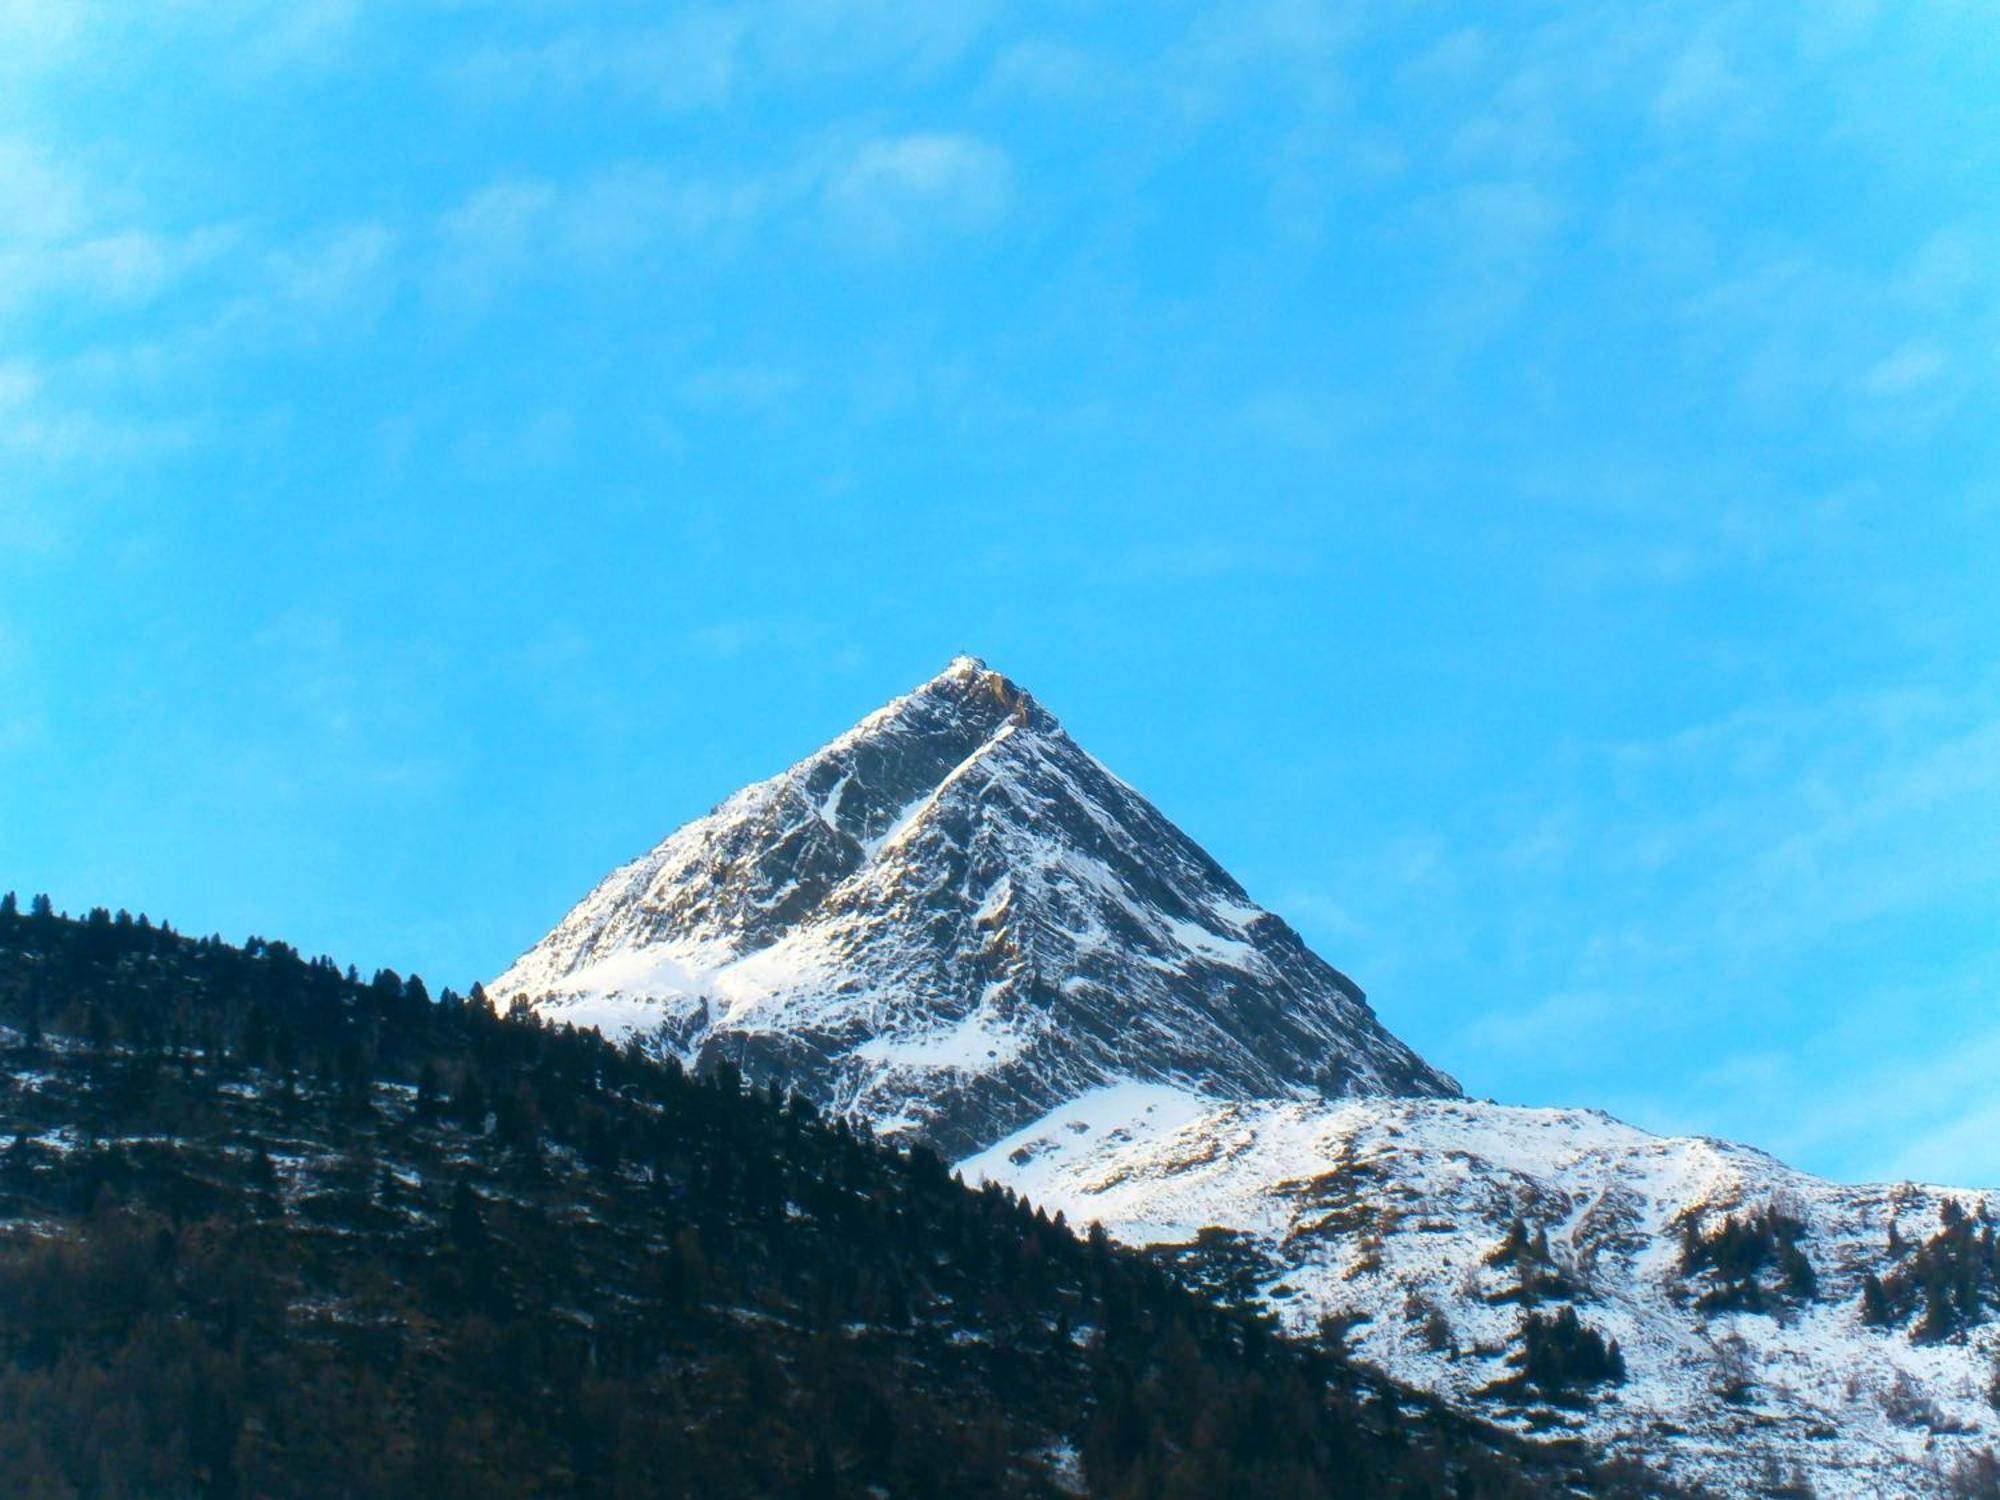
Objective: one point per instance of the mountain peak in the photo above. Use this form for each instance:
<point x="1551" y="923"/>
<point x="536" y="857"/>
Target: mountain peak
<point x="949" y="919"/>
<point x="969" y="675"/>
<point x="967" y="694"/>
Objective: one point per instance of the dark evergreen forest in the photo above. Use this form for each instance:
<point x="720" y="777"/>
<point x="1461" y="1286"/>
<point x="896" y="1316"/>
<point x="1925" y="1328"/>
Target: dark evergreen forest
<point x="270" y="1229"/>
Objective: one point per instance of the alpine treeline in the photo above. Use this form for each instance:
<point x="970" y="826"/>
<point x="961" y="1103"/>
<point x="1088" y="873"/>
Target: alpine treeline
<point x="269" y="1229"/>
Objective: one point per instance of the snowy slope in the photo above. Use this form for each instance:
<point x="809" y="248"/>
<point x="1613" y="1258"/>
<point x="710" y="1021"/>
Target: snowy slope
<point x="950" y="920"/>
<point x="1395" y="1209"/>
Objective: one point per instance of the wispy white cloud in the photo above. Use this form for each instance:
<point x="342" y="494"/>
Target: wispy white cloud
<point x="1230" y="56"/>
<point x="880" y="194"/>
<point x="74" y="251"/>
<point x="492" y="238"/>
<point x="164" y="315"/>
<point x="46" y="198"/>
<point x="43" y="431"/>
<point x="688" y="61"/>
<point x="292" y="293"/>
<point x="258" y="37"/>
<point x="607" y="214"/>
<point x="68" y="239"/>
<point x="249" y="40"/>
<point x="631" y="219"/>
<point x="122" y="269"/>
<point x="1704" y="86"/>
<point x="499" y="219"/>
<point x="158" y="309"/>
<point x="281" y="34"/>
<point x="30" y="426"/>
<point x="1055" y="72"/>
<point x="1903" y="1107"/>
<point x="35" y="35"/>
<point x="1906" y="369"/>
<point x="899" y="190"/>
<point x="706" y="57"/>
<point x="1801" y="331"/>
<point x="318" y="279"/>
<point x="1828" y="814"/>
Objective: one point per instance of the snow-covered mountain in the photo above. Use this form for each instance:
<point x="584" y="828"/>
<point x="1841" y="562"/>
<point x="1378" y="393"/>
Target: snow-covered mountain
<point x="954" y="924"/>
<point x="1745" y="1372"/>
<point x="951" y="920"/>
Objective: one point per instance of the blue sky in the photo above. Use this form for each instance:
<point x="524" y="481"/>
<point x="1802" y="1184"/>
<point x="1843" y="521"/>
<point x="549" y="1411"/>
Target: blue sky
<point x="1518" y="486"/>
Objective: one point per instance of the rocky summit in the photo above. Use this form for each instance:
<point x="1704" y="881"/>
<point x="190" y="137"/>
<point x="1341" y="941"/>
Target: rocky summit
<point x="949" y="921"/>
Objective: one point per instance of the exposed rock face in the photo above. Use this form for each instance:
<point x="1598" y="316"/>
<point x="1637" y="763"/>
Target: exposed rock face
<point x="949" y="921"/>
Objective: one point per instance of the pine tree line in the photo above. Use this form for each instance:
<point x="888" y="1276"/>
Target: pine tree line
<point x="268" y="1228"/>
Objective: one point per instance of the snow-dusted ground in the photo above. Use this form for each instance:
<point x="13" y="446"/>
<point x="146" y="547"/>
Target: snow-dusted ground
<point x="1389" y="1208"/>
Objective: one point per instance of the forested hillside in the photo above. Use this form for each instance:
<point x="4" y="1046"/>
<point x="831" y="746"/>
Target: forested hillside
<point x="268" y="1229"/>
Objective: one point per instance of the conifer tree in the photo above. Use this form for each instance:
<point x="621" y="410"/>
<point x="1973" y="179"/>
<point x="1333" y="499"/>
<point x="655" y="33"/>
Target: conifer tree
<point x="1874" y="1302"/>
<point x="467" y="1225"/>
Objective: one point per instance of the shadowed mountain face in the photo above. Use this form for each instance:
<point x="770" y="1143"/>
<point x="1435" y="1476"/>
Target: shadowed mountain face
<point x="950" y="920"/>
